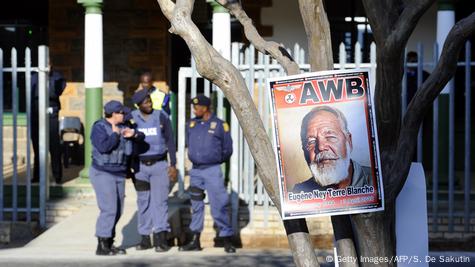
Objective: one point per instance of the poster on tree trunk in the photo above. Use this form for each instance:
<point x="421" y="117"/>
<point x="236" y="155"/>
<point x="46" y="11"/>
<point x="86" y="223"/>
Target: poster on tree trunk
<point x="326" y="144"/>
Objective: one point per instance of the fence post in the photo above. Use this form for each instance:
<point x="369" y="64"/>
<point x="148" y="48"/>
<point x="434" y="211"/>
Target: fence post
<point x="15" y="133"/>
<point x="181" y="130"/>
<point x="193" y="85"/>
<point x="342" y="56"/>
<point x="372" y="60"/>
<point x="468" y="116"/>
<point x="420" y="69"/>
<point x="358" y="57"/>
<point x="1" y="135"/>
<point x="435" y="152"/>
<point x="296" y="54"/>
<point x="28" y="131"/>
<point x="404" y="86"/>
<point x="43" y="141"/>
<point x="173" y="112"/>
<point x="234" y="161"/>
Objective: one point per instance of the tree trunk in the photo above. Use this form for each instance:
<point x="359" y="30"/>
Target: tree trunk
<point x="388" y="97"/>
<point x="376" y="237"/>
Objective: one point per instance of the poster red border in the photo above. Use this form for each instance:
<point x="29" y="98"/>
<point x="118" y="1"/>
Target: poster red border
<point x="316" y="207"/>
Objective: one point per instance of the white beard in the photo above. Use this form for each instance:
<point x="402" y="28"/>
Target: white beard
<point x="329" y="174"/>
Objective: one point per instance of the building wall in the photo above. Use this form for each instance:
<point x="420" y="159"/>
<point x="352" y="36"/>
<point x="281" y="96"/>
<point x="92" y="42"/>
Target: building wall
<point x="135" y="40"/>
<point x="288" y="29"/>
<point x="426" y="34"/>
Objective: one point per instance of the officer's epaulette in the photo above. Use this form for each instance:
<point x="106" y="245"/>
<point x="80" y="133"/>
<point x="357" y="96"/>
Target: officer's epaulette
<point x="192" y="123"/>
<point x="225" y="126"/>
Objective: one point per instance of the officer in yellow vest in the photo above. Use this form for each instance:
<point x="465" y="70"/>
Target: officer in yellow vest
<point x="160" y="99"/>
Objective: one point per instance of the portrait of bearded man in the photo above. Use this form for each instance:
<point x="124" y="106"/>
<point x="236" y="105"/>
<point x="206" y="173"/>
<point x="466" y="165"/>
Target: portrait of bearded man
<point x="327" y="144"/>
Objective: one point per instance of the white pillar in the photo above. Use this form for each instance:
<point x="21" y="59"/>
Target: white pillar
<point x="93" y="58"/>
<point x="445" y="22"/>
<point x="93" y="73"/>
<point x="222" y="33"/>
<point x="222" y="43"/>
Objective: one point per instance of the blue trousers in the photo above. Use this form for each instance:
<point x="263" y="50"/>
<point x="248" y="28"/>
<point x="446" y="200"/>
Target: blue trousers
<point x="110" y="192"/>
<point x="211" y="180"/>
<point x="153" y="204"/>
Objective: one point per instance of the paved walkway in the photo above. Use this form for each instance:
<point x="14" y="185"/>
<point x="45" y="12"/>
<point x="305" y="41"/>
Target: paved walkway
<point x="72" y="243"/>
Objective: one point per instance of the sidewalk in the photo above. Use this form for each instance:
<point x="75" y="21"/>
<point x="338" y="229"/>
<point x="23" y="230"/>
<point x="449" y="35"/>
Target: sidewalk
<point x="72" y="243"/>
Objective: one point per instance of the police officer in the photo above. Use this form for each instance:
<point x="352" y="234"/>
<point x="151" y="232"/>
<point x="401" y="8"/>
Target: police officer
<point x="152" y="173"/>
<point x="160" y="99"/>
<point x="209" y="144"/>
<point x="111" y="147"/>
<point x="56" y="87"/>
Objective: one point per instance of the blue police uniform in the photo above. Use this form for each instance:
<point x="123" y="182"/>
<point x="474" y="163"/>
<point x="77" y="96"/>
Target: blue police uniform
<point x="57" y="84"/>
<point x="209" y="144"/>
<point x="110" y="153"/>
<point x="152" y="181"/>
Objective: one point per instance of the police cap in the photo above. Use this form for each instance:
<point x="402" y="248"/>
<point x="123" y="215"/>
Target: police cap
<point x="127" y="113"/>
<point x="140" y="96"/>
<point x="113" y="106"/>
<point x="201" y="100"/>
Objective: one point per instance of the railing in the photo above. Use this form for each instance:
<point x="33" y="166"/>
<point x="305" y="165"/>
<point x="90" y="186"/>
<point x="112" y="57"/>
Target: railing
<point x="244" y="182"/>
<point x="15" y="209"/>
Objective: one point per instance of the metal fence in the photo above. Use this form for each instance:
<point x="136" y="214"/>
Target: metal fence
<point x="12" y="212"/>
<point x="255" y="67"/>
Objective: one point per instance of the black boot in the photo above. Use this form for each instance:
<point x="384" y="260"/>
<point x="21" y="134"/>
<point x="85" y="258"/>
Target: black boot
<point x="193" y="244"/>
<point x="103" y="247"/>
<point x="228" y="244"/>
<point x="145" y="243"/>
<point x="160" y="242"/>
<point x="116" y="250"/>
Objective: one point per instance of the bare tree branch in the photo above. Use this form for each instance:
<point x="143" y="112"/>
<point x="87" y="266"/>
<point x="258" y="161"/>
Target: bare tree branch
<point x="167" y="7"/>
<point x="382" y="15"/>
<point x="406" y="23"/>
<point x="317" y="29"/>
<point x="391" y="33"/>
<point x="231" y="82"/>
<point x="186" y="5"/>
<point x="277" y="51"/>
<point x="424" y="98"/>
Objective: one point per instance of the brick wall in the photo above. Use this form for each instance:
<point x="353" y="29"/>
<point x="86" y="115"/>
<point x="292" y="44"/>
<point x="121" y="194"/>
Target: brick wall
<point x="135" y="40"/>
<point x="73" y="98"/>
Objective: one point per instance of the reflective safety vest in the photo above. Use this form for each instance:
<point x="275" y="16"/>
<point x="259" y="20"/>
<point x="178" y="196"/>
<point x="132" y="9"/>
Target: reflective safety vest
<point x="118" y="156"/>
<point x="157" y="98"/>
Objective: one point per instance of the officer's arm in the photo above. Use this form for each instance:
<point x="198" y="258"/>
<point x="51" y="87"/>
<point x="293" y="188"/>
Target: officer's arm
<point x="165" y="104"/>
<point x="103" y="142"/>
<point x="34" y="86"/>
<point x="59" y="84"/>
<point x="169" y="139"/>
<point x="62" y="86"/>
<point x="138" y="136"/>
<point x="187" y="132"/>
<point x="227" y="142"/>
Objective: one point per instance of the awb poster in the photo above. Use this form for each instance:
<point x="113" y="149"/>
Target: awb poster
<point x="326" y="144"/>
